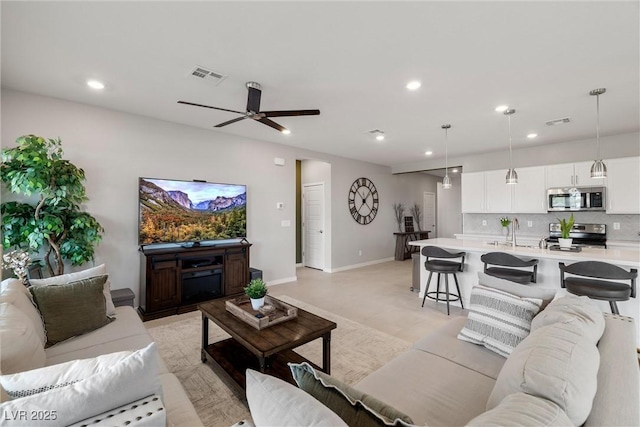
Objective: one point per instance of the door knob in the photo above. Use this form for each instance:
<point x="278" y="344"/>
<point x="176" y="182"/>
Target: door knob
<point x="320" y="231"/>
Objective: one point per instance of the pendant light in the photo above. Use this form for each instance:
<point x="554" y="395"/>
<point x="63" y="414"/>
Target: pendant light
<point x="512" y="176"/>
<point x="446" y="182"/>
<point x="598" y="168"/>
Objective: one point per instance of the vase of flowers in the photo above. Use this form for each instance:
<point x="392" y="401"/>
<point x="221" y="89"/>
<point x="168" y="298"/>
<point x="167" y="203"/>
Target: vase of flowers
<point x="18" y="261"/>
<point x="505" y="222"/>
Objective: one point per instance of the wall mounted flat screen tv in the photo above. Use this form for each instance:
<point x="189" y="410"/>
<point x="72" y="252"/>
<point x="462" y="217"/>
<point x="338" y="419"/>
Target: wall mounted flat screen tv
<point x="173" y="211"/>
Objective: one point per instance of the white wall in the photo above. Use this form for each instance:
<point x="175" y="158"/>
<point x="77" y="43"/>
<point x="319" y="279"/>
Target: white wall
<point x="411" y="189"/>
<point x="116" y="148"/>
<point x="450" y="208"/>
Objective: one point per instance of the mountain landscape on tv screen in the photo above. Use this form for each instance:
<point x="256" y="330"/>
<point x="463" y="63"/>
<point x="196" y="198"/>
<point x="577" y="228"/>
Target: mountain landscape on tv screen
<point x="168" y="216"/>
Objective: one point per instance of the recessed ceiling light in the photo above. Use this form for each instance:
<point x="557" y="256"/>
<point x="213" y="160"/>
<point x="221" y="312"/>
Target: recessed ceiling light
<point x="380" y="137"/>
<point x="502" y="108"/>
<point x="532" y="135"/>
<point x="454" y="170"/>
<point x="413" y="85"/>
<point x="428" y="153"/>
<point x="95" y="84"/>
<point x="286" y="131"/>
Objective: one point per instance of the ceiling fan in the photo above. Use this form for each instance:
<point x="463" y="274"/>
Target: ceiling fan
<point x="253" y="110"/>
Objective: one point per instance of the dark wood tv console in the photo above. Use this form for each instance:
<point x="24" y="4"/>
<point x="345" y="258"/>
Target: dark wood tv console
<point x="175" y="280"/>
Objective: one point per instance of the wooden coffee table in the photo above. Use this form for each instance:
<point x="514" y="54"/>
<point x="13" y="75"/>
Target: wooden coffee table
<point x="267" y="350"/>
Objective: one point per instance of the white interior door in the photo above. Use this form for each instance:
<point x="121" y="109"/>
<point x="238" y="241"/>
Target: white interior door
<point x="313" y="225"/>
<point x="429" y="208"/>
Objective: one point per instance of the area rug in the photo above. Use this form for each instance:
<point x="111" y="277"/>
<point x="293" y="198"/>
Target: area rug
<point x="356" y="351"/>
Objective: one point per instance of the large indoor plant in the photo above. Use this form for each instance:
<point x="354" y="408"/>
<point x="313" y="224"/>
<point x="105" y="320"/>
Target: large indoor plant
<point x="565" y="229"/>
<point x="256" y="291"/>
<point x="50" y="217"/>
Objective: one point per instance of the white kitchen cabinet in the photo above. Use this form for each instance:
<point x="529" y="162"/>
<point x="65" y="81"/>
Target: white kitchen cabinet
<point x="472" y="192"/>
<point x="623" y="186"/>
<point x="530" y="193"/>
<point x="487" y="192"/>
<point x="497" y="193"/>
<point x="572" y="175"/>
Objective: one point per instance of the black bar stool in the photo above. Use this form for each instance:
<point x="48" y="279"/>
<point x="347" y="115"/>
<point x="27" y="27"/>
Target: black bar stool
<point x="442" y="266"/>
<point x="599" y="289"/>
<point x="502" y="260"/>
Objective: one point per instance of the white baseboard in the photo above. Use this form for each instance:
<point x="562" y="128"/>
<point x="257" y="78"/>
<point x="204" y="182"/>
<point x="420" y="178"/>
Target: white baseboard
<point x="281" y="281"/>
<point x="363" y="264"/>
<point x="298" y="265"/>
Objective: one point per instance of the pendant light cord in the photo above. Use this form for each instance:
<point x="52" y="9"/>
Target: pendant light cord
<point x="510" y="153"/>
<point x="598" y="124"/>
<point x="446" y="151"/>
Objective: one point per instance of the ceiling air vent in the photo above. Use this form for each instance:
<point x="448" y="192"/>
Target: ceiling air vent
<point x="204" y="74"/>
<point x="558" y="121"/>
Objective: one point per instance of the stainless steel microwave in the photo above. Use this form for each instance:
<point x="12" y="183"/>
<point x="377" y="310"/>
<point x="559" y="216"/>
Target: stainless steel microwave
<point x="576" y="199"/>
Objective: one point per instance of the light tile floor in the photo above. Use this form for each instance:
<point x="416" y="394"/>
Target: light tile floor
<point x="377" y="296"/>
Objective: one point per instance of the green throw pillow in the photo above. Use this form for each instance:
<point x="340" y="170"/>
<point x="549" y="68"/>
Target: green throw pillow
<point x="353" y="406"/>
<point x="71" y="309"/>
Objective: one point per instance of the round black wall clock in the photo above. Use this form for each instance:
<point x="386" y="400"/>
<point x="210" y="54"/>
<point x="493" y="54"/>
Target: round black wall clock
<point x="363" y="201"/>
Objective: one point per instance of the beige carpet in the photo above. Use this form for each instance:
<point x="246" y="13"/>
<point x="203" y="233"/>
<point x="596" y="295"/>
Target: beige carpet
<point x="356" y="351"/>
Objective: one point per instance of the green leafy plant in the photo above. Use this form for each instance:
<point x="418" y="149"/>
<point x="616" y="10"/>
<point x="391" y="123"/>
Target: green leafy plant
<point x="566" y="226"/>
<point x="256" y="289"/>
<point x="505" y="221"/>
<point x="36" y="170"/>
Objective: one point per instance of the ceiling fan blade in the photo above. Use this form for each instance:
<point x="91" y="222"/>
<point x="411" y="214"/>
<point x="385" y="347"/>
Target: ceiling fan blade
<point x="230" y="122"/>
<point x="290" y="113"/>
<point x="272" y="124"/>
<point x="208" y="106"/>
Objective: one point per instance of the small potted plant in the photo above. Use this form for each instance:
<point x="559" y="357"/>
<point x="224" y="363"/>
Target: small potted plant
<point x="256" y="291"/>
<point x="565" y="228"/>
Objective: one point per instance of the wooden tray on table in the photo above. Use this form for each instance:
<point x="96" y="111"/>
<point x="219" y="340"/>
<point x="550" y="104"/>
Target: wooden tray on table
<point x="241" y="308"/>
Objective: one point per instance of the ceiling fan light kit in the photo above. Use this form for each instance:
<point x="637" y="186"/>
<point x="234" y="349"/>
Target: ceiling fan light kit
<point x="598" y="168"/>
<point x="253" y="110"/>
<point x="512" y="175"/>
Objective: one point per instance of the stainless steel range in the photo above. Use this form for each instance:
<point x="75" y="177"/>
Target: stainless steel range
<point x="583" y="235"/>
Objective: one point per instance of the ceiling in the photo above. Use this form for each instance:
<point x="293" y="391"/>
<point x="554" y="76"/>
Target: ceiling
<point x="351" y="60"/>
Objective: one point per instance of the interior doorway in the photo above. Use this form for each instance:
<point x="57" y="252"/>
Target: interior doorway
<point x="313" y="227"/>
<point x="429" y="208"/>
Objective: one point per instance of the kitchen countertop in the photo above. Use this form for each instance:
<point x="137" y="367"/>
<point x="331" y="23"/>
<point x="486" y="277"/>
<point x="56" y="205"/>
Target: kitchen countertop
<point x="548" y="271"/>
<point x="620" y="257"/>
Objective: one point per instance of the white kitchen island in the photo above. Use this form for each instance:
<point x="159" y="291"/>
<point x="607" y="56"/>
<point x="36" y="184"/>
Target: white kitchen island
<point x="548" y="270"/>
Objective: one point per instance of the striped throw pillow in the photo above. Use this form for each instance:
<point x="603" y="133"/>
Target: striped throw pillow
<point x="498" y="320"/>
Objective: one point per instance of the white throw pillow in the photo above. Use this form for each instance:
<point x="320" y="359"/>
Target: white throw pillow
<point x="580" y="310"/>
<point x="274" y="402"/>
<point x="134" y="377"/>
<point x="56" y="376"/>
<point x="14" y="292"/>
<point x="524" y="291"/>
<point x="498" y="320"/>
<point x="558" y="362"/>
<point x="146" y="412"/>
<point x="21" y="348"/>
<point x="100" y="270"/>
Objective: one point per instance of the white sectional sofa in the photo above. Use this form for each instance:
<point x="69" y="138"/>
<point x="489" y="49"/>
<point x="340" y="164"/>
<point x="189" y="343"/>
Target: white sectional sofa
<point x="577" y="366"/>
<point x="22" y="350"/>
